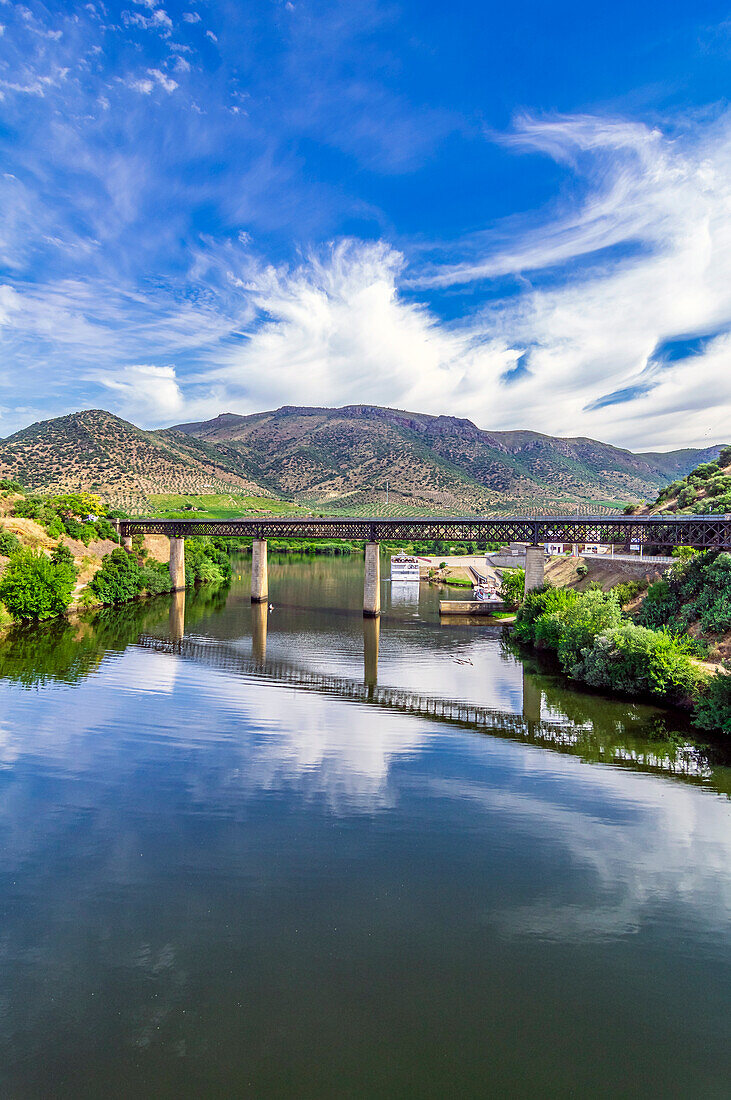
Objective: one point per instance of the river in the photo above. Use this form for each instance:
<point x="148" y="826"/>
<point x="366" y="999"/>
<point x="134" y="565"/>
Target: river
<point x="250" y="853"/>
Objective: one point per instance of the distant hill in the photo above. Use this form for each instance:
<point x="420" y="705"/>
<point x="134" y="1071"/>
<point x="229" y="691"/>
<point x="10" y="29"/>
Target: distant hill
<point x="336" y="459"/>
<point x="347" y="455"/>
<point x="98" y="451"/>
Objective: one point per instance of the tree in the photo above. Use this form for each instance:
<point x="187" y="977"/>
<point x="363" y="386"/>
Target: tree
<point x="35" y="587"/>
<point x="512" y="587"/>
<point x="683" y="552"/>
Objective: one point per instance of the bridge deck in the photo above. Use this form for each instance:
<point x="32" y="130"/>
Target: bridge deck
<point x="697" y="531"/>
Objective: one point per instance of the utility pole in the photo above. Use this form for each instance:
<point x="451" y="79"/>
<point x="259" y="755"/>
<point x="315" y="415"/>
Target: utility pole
<point x="387" y="491"/>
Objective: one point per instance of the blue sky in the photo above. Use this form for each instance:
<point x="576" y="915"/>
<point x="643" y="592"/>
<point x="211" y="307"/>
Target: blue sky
<point x="520" y="213"/>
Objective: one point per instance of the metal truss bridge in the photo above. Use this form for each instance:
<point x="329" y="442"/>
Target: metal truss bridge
<point x="702" y="532"/>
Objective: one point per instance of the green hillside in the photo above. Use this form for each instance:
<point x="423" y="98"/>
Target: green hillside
<point x="706" y="490"/>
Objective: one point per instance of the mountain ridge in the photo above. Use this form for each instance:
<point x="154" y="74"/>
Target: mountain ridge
<point x="516" y="464"/>
<point x="336" y="458"/>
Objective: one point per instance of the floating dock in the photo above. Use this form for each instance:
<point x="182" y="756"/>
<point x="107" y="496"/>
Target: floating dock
<point x="470" y="607"/>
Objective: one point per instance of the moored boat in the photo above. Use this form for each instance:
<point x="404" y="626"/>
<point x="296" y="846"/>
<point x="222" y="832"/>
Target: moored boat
<point x="404" y="568"/>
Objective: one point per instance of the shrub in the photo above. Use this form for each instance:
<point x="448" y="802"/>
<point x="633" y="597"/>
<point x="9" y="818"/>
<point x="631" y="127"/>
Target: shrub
<point x="542" y="602"/>
<point x="9" y="542"/>
<point x="582" y="570"/>
<point x="198" y="551"/>
<point x="719" y="486"/>
<point x="73" y="528"/>
<point x="637" y="661"/>
<point x="35" y="587"/>
<point x="687" y="496"/>
<point x="705" y="470"/>
<point x="512" y="587"/>
<point x="209" y="572"/>
<point x="155" y="579"/>
<point x="62" y="556"/>
<point x="594" y="613"/>
<point x="54" y="527"/>
<point x="118" y="580"/>
<point x="10" y="486"/>
<point x="683" y="553"/>
<point x="626" y="591"/>
<point x="713" y="707"/>
<point x="29" y="507"/>
<point x="660" y="605"/>
<point x="713" y="604"/>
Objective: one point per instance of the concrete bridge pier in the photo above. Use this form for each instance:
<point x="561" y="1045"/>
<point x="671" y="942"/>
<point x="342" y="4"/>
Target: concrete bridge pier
<point x="127" y="543"/>
<point x="259" y="572"/>
<point x="177" y="563"/>
<point x="535" y="557"/>
<point x="372" y="582"/>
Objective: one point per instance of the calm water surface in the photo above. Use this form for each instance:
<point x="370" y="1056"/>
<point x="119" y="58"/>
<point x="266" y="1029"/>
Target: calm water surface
<point x="268" y="855"/>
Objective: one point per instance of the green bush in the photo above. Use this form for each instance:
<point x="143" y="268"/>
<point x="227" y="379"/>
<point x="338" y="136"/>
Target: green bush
<point x="683" y="553"/>
<point x="118" y="580"/>
<point x="660" y="605"/>
<point x="626" y="591"/>
<point x="713" y="707"/>
<point x="582" y="570"/>
<point x="54" y="527"/>
<point x="696" y="588"/>
<point x="199" y="551"/>
<point x="512" y="587"/>
<point x="36" y="587"/>
<point x="209" y="572"/>
<point x="155" y="578"/>
<point x="687" y="496"/>
<point x="29" y="507"/>
<point x="542" y="602"/>
<point x="9" y="543"/>
<point x="594" y="613"/>
<point x="713" y="603"/>
<point x="636" y="661"/>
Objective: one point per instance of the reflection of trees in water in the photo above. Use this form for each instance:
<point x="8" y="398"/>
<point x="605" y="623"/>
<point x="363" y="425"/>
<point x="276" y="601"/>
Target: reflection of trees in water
<point x="70" y="649"/>
<point x="623" y="732"/>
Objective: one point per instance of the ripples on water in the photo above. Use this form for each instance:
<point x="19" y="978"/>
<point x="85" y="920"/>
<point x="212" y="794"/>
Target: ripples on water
<point x="292" y="853"/>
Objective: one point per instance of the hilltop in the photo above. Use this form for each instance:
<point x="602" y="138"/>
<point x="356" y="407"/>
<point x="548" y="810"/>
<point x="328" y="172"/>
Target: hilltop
<point x="96" y="451"/>
<point x="335" y="460"/>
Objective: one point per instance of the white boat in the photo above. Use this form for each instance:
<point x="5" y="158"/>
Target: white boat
<point x="404" y="568"/>
<point x="485" y="593"/>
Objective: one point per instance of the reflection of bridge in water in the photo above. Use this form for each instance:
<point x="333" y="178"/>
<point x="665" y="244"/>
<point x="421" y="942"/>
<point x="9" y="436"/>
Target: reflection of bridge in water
<point x="685" y="761"/>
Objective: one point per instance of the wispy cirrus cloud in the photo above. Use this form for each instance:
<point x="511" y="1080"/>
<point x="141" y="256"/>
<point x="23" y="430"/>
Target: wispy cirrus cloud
<point x="160" y="208"/>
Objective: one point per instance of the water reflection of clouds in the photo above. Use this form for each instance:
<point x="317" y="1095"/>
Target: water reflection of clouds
<point x="640" y="838"/>
<point x="224" y="741"/>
